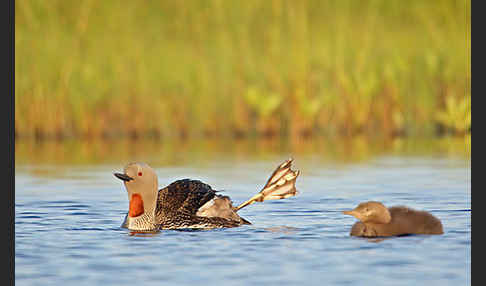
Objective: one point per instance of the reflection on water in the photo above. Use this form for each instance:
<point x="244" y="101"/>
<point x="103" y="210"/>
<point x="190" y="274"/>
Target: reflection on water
<point x="282" y="229"/>
<point x="143" y="233"/>
<point x="177" y="152"/>
<point x="69" y="208"/>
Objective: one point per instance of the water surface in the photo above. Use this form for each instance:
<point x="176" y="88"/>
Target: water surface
<point x="68" y="216"/>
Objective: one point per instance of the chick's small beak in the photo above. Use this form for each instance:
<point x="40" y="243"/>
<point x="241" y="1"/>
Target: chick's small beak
<point x="123" y="177"/>
<point x="352" y="213"/>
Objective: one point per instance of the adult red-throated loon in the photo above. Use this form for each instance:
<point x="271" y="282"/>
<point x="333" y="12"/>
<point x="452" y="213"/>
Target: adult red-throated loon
<point x="191" y="203"/>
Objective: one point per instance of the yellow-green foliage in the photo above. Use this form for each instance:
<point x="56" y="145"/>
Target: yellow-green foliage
<point x="190" y="68"/>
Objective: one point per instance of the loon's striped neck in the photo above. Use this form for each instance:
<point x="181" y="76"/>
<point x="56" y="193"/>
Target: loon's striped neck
<point x="144" y="222"/>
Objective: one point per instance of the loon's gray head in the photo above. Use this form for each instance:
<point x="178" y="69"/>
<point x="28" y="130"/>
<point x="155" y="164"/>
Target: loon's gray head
<point x="142" y="187"/>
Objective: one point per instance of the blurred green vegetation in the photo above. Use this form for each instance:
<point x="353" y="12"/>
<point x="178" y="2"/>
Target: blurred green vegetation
<point x="242" y="68"/>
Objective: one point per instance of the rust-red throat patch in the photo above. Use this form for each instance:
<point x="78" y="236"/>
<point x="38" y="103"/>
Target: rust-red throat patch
<point x="136" y="206"/>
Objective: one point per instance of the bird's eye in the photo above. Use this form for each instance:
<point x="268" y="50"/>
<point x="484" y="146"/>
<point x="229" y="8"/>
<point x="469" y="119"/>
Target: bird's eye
<point x="140" y="173"/>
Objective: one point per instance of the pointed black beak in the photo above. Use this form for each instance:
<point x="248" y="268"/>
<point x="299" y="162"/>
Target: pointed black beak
<point x="123" y="177"/>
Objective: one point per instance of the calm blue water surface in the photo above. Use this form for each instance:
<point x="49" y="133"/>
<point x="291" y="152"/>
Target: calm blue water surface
<point x="68" y="217"/>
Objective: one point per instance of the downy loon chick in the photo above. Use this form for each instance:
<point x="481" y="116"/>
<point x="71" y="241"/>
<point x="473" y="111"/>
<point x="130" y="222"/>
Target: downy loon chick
<point x="377" y="220"/>
<point x="191" y="203"/>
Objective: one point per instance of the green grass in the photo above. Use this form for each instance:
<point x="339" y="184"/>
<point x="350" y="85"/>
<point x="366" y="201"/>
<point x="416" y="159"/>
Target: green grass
<point x="241" y="68"/>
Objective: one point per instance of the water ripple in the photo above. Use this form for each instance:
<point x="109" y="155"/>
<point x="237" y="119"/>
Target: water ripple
<point x="77" y="239"/>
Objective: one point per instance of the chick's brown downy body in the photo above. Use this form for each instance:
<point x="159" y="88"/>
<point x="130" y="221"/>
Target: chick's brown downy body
<point x="378" y="220"/>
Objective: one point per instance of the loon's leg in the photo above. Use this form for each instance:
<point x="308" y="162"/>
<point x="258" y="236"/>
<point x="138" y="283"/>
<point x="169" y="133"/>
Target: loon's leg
<point x="280" y="185"/>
